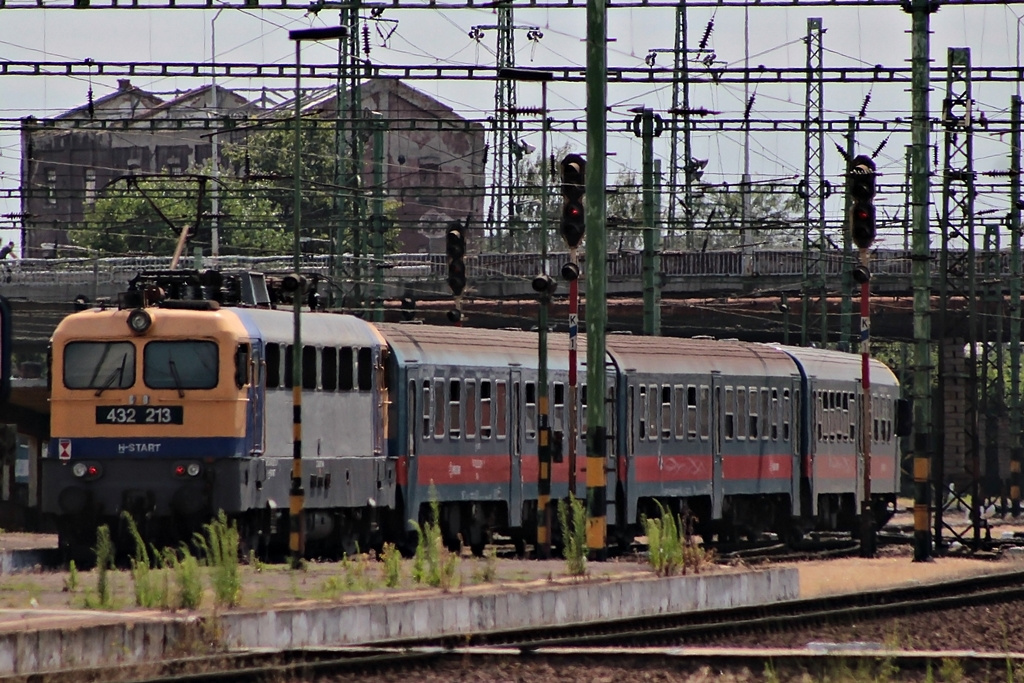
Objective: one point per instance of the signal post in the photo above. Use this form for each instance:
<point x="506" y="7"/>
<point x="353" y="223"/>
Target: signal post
<point x="861" y="184"/>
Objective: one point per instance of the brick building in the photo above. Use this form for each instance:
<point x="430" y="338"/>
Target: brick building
<point x="435" y="171"/>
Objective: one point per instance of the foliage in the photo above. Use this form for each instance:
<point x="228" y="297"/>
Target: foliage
<point x="574" y="535"/>
<point x="129" y="217"/>
<point x="774" y="215"/>
<point x="220" y="547"/>
<point x="71" y="583"/>
<point x="433" y="564"/>
<point x="104" y="550"/>
<point x="149" y="592"/>
<point x="187" y="578"/>
<point x="672" y="546"/>
<point x="268" y="155"/>
<point x="392" y="559"/>
<point x="487" y="572"/>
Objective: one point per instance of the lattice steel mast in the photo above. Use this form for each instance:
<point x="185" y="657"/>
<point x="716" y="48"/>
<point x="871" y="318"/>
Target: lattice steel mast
<point x="814" y="189"/>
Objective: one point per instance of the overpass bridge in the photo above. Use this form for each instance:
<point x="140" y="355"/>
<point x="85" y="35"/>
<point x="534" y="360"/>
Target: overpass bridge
<point x="724" y="293"/>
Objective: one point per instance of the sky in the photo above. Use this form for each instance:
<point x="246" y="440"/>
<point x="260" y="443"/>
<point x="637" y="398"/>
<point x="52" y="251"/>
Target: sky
<point x="862" y="36"/>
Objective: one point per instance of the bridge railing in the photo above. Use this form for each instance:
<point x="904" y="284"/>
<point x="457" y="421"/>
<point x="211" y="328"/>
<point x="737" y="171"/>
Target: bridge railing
<point x="622" y="265"/>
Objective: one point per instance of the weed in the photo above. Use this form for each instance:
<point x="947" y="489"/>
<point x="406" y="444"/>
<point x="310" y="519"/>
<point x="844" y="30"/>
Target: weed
<point x="150" y="588"/>
<point x="770" y="675"/>
<point x="672" y="546"/>
<point x="487" y="572"/>
<point x="951" y="670"/>
<point x="574" y="535"/>
<point x="104" y="562"/>
<point x="71" y="583"/>
<point x="432" y="564"/>
<point x="221" y="549"/>
<point x="188" y="579"/>
<point x="392" y="559"/>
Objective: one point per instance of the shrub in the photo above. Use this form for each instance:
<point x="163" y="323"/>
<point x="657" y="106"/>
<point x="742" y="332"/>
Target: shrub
<point x="671" y="544"/>
<point x="150" y="588"/>
<point x="104" y="562"/>
<point x="574" y="535"/>
<point x="392" y="559"/>
<point x="220" y="546"/>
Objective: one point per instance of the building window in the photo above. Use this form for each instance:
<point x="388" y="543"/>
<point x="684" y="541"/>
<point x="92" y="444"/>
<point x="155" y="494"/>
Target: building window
<point x="90" y="186"/>
<point x="51" y="186"/>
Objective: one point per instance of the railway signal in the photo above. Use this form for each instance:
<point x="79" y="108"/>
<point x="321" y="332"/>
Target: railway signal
<point x="862" y="194"/>
<point x="574" y="169"/>
<point x="455" y="248"/>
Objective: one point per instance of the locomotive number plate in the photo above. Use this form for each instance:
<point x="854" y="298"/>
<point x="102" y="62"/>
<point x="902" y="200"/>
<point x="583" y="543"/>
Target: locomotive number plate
<point x="139" y="415"/>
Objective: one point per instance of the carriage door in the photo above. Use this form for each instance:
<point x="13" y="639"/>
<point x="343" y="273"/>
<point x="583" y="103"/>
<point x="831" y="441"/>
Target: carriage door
<point x="717" y="422"/>
<point x="511" y="395"/>
<point x="257" y="395"/>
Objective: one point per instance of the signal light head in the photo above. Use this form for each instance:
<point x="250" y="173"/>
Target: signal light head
<point x="293" y="282"/>
<point x="861" y="275"/>
<point x="454" y="315"/>
<point x="570" y="271"/>
<point x="544" y="284"/>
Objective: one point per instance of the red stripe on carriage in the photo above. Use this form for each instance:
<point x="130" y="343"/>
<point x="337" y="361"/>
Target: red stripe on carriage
<point x="673" y="468"/>
<point x="778" y="466"/>
<point x="835" y="466"/>
<point x="463" y="469"/>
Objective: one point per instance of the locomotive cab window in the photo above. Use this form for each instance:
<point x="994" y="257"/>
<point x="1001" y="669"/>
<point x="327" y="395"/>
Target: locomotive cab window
<point x="180" y="365"/>
<point x="99" y="365"/>
<point x="365" y="358"/>
<point x="345" y="364"/>
<point x="241" y="365"/>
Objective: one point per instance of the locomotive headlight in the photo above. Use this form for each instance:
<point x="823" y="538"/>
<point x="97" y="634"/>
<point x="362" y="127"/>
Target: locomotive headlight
<point x="139" y="321"/>
<point x="79" y="470"/>
<point x="87" y="471"/>
<point x="193" y="469"/>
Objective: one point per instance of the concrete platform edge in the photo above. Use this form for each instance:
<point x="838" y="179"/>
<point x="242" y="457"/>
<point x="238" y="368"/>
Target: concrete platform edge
<point x="151" y="639"/>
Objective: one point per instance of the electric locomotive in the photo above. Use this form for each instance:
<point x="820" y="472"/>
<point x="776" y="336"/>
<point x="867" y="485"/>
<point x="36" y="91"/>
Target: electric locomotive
<point x="172" y="409"/>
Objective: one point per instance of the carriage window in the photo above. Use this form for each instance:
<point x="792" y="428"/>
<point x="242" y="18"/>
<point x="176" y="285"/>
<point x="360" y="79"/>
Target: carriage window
<point x="439" y="408"/>
<point x="666" y="412"/>
<point x="329" y="369"/>
<point x="818" y="412"/>
<point x="454" y="408"/>
<point x="775" y="414"/>
<point x="653" y="413"/>
<point x="643" y="412"/>
<point x="309" y="367"/>
<point x="785" y="414"/>
<point x="681" y="411"/>
<point x="691" y="412"/>
<point x="730" y="415"/>
<point x="704" y="412"/>
<point x="470" y="408"/>
<point x="753" y="413"/>
<point x="531" y="410"/>
<point x="178" y="365"/>
<point x="365" y="369"/>
<point x="99" y="365"/>
<point x="241" y="365"/>
<point x="501" y="410"/>
<point x="426" y="409"/>
<point x="485" y="409"/>
<point x="742" y="413"/>
<point x="766" y="415"/>
<point x="558" y="411"/>
<point x="345" y="365"/>
<point x="273" y="366"/>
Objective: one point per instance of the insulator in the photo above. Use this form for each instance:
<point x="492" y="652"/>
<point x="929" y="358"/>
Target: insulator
<point x="935" y="155"/>
<point x="707" y="34"/>
<point x="864" y="107"/>
<point x="366" y="39"/>
<point x="881" y="146"/>
<point x="750" y="105"/>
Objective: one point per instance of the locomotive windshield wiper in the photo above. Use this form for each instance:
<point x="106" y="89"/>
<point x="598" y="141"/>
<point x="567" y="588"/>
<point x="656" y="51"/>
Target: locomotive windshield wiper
<point x="177" y="378"/>
<point x="117" y="373"/>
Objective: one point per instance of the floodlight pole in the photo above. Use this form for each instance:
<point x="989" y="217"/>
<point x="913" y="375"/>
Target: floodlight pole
<point x="296" y="495"/>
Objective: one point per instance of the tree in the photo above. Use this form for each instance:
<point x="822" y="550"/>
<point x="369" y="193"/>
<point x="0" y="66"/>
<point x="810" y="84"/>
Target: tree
<point x="145" y="215"/>
<point x="718" y="218"/>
